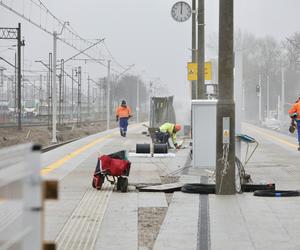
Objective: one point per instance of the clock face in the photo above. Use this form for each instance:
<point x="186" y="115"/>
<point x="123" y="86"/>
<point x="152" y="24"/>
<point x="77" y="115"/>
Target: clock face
<point x="181" y="11"/>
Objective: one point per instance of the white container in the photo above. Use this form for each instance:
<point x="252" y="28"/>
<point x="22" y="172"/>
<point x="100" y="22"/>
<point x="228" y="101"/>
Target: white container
<point x="204" y="115"/>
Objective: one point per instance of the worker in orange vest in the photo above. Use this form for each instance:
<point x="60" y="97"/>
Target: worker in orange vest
<point x="123" y="113"/>
<point x="294" y="113"/>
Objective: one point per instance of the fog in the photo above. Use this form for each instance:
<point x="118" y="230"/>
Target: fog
<point x="142" y="32"/>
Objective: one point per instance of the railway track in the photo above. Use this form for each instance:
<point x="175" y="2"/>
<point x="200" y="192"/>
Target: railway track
<point x="42" y="124"/>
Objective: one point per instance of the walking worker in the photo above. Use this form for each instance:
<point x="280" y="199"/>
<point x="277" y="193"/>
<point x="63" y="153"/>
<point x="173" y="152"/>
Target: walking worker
<point x="166" y="131"/>
<point x="123" y="113"/>
<point x="294" y="113"/>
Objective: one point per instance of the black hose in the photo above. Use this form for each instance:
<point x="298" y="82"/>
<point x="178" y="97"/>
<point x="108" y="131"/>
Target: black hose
<point x="276" y="193"/>
<point x="250" y="187"/>
<point x="199" y="188"/>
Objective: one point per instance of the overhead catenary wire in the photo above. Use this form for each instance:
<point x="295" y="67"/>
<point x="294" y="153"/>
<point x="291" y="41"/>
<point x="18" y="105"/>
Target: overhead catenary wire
<point x="59" y="23"/>
<point x="113" y="59"/>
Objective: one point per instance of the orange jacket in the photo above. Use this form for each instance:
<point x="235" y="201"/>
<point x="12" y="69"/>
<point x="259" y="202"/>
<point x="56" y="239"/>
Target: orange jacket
<point x="122" y="112"/>
<point x="295" y="109"/>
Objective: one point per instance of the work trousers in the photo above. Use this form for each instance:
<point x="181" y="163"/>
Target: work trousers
<point x="123" y="124"/>
<point x="298" y="130"/>
<point x="162" y="137"/>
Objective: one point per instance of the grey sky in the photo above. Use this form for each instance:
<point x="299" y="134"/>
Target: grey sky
<point x="142" y="32"/>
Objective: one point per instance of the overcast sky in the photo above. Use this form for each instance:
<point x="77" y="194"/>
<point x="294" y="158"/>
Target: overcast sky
<point x="142" y="32"/>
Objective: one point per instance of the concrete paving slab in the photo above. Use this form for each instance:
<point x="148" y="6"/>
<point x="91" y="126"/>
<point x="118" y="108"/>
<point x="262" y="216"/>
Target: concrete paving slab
<point x="152" y="200"/>
<point x="179" y="229"/>
<point x="145" y="173"/>
<point x="119" y="229"/>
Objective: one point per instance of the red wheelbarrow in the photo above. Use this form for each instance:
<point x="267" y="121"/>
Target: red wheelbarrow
<point x="113" y="167"/>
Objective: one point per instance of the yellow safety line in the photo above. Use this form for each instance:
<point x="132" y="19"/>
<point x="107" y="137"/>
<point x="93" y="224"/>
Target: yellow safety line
<point x="275" y="138"/>
<point x="58" y="163"/>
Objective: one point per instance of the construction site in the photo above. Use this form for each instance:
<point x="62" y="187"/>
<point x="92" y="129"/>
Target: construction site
<point x="149" y="125"/>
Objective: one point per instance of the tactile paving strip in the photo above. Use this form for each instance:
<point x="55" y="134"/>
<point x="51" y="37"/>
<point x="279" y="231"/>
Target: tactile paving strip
<point x="81" y="229"/>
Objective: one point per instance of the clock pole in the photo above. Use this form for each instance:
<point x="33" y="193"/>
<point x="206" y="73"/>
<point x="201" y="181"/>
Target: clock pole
<point x="194" y="49"/>
<point x="200" y="51"/>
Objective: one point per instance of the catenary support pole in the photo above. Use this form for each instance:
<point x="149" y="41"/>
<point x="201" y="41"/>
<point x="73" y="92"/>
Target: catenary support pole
<point x="201" y="55"/>
<point x="72" y="94"/>
<point x="54" y="94"/>
<point x="79" y="97"/>
<point x="19" y="77"/>
<point x="225" y="157"/>
<point x="108" y="97"/>
<point x="88" y="96"/>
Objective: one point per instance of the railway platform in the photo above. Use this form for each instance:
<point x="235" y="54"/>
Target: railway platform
<point x="84" y="218"/>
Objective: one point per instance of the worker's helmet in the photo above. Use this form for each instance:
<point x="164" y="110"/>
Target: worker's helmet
<point x="177" y="127"/>
<point x="123" y="102"/>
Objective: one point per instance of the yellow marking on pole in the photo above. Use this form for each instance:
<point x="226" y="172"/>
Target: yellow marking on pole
<point x="193" y="71"/>
<point x="58" y="163"/>
<point x="276" y="138"/>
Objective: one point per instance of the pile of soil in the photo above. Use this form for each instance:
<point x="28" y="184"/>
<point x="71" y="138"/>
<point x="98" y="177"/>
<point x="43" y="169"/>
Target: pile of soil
<point x="43" y="135"/>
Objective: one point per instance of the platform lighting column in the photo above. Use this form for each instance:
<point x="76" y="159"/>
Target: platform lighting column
<point x="268" y="97"/>
<point x="137" y="100"/>
<point x="259" y="99"/>
<point x="282" y="96"/>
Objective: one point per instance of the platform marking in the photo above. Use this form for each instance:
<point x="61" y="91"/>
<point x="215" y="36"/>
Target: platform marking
<point x="58" y="163"/>
<point x="276" y="138"/>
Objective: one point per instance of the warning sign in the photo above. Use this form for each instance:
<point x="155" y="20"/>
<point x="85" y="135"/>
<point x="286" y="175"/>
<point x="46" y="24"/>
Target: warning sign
<point x="193" y="71"/>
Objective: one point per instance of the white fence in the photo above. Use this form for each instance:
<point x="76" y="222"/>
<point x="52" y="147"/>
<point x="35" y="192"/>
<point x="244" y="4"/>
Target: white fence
<point x="21" y="202"/>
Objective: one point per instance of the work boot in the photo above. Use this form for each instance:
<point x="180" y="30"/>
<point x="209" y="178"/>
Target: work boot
<point x="124" y="134"/>
<point x="299" y="147"/>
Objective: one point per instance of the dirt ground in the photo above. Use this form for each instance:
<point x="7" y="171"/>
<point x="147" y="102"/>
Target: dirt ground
<point x="43" y="135"/>
<point x="151" y="218"/>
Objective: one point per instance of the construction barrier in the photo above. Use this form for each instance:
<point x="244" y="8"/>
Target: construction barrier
<point x="21" y="198"/>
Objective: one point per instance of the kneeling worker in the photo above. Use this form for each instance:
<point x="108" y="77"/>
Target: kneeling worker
<point x="166" y="131"/>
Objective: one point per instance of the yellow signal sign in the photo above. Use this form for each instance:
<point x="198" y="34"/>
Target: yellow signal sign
<point x="193" y="71"/>
<point x="208" y="71"/>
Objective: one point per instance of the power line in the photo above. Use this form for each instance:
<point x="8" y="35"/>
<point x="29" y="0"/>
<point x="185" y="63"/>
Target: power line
<point x="114" y="60"/>
<point x="48" y="31"/>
